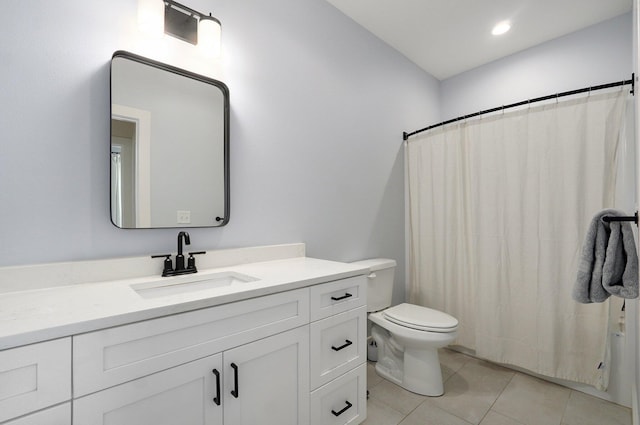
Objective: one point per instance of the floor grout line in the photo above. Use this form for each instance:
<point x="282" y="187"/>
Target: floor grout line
<point x="386" y="404"/>
<point x="566" y="406"/>
<point x="494" y="401"/>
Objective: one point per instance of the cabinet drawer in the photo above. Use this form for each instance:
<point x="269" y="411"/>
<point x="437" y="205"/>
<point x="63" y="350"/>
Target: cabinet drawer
<point x="59" y="415"/>
<point x="337" y="297"/>
<point x="338" y="343"/>
<point x="110" y="357"/>
<point x="342" y="401"/>
<point x="34" y="377"/>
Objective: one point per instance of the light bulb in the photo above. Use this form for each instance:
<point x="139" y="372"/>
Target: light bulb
<point x="209" y="34"/>
<point x="501" y="28"/>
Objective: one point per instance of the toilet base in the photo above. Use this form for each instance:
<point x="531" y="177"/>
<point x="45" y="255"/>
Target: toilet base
<point x="424" y="375"/>
<point x="409" y="357"/>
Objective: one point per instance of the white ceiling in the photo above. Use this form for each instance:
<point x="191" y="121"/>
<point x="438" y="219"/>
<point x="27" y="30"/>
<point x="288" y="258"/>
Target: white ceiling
<point x="447" y="37"/>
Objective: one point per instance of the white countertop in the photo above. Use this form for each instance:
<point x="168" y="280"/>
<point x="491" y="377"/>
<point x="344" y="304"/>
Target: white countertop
<point x="42" y="314"/>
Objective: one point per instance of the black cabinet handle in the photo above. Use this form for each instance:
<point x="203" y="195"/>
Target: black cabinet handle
<point x="343" y="410"/>
<point x="234" y="392"/>
<point x="346" y="295"/>
<point x="216" y="399"/>
<point x="345" y="345"/>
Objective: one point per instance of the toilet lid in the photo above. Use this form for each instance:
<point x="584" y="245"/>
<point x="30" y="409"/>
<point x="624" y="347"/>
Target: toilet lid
<point x="421" y="318"/>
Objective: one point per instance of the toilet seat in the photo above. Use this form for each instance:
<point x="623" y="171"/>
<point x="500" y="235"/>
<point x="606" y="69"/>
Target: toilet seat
<point x="421" y="318"/>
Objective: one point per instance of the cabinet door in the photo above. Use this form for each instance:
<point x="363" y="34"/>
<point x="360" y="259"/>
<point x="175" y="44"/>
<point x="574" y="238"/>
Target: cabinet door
<point x="270" y="381"/>
<point x="182" y="395"/>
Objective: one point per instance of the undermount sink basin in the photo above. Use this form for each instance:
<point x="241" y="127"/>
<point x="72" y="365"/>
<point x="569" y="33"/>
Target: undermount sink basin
<point x="189" y="283"/>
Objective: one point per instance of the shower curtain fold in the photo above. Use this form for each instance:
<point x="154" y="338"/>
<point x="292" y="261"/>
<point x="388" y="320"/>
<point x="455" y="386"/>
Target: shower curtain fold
<point x="498" y="209"/>
<point x="116" y="188"/>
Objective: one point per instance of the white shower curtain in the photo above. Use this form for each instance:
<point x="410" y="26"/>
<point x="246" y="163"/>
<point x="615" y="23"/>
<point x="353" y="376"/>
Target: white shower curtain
<point x="498" y="210"/>
<point x="116" y="188"/>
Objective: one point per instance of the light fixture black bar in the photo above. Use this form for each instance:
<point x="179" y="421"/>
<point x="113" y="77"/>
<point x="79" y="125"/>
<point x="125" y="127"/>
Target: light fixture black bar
<point x="183" y="7"/>
<point x="405" y="135"/>
<point x="190" y="10"/>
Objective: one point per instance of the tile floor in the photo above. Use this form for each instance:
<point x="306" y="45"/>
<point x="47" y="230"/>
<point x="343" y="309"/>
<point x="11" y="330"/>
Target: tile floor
<point x="481" y="393"/>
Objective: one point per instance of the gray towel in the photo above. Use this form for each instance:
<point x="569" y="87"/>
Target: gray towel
<point x="609" y="262"/>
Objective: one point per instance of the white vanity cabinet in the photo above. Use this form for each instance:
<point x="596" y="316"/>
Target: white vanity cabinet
<point x="338" y="352"/>
<point x="235" y="363"/>
<point x="263" y="382"/>
<point x="110" y="357"/>
<point x="287" y="349"/>
<point x="259" y="361"/>
<point x="34" y="377"/>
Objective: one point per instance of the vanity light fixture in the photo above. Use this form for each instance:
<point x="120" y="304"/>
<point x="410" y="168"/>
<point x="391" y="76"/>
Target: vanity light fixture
<point x="192" y="26"/>
<point x="501" y="28"/>
<point x="209" y="32"/>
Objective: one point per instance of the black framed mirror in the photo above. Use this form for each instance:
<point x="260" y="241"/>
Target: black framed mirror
<point x="169" y="146"/>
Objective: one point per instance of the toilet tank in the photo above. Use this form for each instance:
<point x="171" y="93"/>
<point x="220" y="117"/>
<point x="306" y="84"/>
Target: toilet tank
<point x="379" y="282"/>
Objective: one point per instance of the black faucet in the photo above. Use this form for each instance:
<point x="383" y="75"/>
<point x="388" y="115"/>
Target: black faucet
<point x="168" y="269"/>
<point x="179" y="256"/>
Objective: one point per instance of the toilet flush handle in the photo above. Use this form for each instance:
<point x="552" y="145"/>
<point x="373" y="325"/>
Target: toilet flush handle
<point x="372" y="275"/>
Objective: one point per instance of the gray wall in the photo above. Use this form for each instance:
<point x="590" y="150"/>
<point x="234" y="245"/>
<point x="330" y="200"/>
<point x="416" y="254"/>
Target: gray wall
<point x="596" y="55"/>
<point x="318" y="107"/>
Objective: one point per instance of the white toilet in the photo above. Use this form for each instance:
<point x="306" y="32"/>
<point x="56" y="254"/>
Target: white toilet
<point x="408" y="336"/>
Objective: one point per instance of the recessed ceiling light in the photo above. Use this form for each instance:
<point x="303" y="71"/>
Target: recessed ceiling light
<point x="501" y="28"/>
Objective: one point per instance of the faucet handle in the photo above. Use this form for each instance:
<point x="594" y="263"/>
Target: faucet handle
<point x="191" y="261"/>
<point x="168" y="264"/>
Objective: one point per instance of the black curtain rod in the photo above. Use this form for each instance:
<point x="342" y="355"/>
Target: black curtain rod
<point x="405" y="135"/>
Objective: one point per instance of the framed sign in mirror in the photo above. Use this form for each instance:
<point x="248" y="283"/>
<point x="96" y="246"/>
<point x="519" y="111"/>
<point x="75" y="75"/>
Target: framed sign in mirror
<point x="169" y="146"/>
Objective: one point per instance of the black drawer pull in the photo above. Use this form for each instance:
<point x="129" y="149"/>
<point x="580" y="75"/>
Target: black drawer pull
<point x="346" y="295"/>
<point x="343" y="410"/>
<point x="234" y="392"/>
<point x="345" y="345"/>
<point x="216" y="399"/>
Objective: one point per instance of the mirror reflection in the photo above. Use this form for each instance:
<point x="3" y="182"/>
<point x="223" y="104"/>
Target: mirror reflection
<point x="169" y="146"/>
